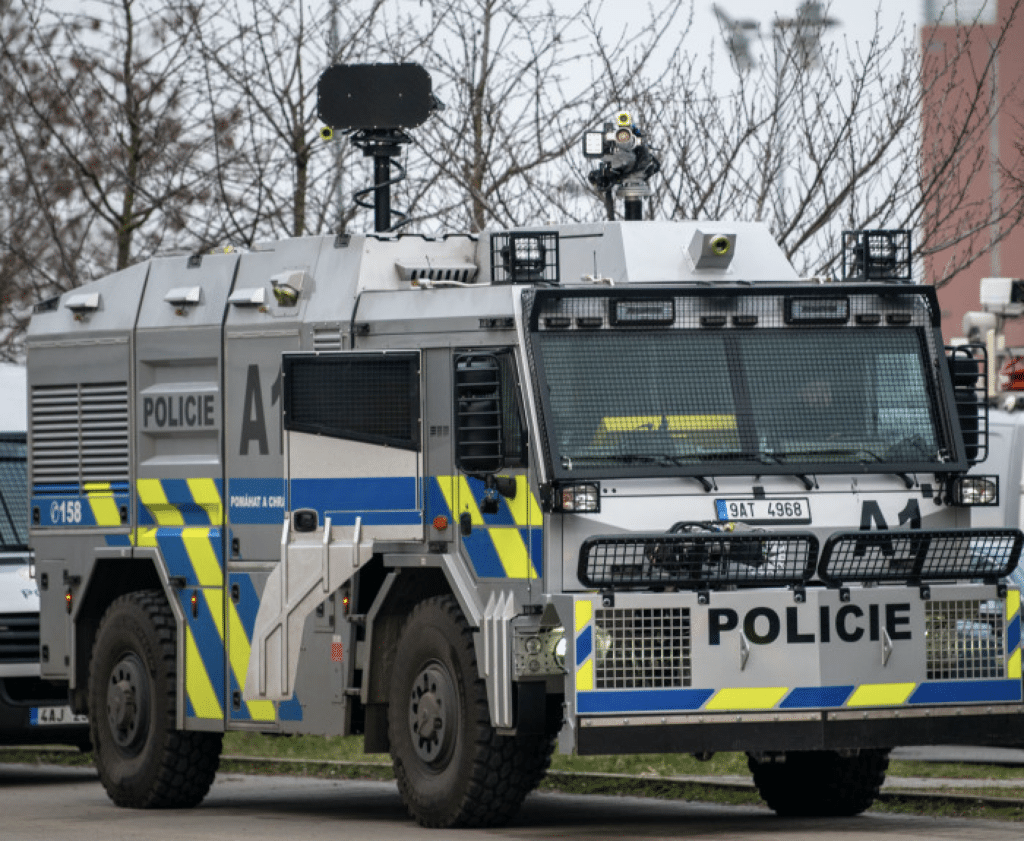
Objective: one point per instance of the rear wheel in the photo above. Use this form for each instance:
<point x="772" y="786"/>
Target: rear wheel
<point x="143" y="761"/>
<point x="452" y="768"/>
<point x="820" y="783"/>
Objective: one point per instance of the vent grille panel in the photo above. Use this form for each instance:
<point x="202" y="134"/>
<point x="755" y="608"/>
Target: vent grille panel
<point x="19" y="638"/>
<point x="80" y="433"/>
<point x="965" y="640"/>
<point x="642" y="648"/>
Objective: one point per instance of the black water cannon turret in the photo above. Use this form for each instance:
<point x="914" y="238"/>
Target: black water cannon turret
<point x="374" y="103"/>
<point x="627" y="164"/>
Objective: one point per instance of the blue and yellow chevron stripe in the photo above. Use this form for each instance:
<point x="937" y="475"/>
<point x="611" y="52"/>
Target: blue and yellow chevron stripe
<point x="507" y="544"/>
<point x="184" y="518"/>
<point x="851" y="696"/>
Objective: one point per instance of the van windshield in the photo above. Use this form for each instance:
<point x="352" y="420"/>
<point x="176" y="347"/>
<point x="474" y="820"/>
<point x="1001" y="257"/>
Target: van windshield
<point x="13" y="492"/>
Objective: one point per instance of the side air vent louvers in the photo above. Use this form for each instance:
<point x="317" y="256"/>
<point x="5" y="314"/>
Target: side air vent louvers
<point x="79" y="433"/>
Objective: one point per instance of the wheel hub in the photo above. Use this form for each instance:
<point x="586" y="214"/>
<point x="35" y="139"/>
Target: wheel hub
<point x="128" y="702"/>
<point x="433" y="714"/>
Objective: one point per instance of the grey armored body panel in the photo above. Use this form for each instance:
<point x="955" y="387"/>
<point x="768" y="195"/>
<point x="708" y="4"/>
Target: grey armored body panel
<point x="665" y="482"/>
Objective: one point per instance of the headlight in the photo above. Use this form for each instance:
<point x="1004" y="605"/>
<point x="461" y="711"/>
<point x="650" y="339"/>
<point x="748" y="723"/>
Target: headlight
<point x="975" y="490"/>
<point x="580" y="497"/>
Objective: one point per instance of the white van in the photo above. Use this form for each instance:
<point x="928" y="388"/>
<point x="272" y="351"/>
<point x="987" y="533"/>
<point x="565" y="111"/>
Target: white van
<point x="32" y="711"/>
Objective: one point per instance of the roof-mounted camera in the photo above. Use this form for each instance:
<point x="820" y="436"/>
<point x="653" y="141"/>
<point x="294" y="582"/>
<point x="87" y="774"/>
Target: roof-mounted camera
<point x="627" y="163"/>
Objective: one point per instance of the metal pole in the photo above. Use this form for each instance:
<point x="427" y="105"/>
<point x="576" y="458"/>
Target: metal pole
<point x="381" y="192"/>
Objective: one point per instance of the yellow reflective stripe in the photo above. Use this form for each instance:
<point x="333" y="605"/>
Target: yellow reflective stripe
<point x="446" y="484"/>
<point x="584" y="610"/>
<point x="1013" y="665"/>
<point x="1012" y="604"/>
<point x="203" y="558"/>
<point x="197" y="682"/>
<point x="103" y="504"/>
<point x="585" y="676"/>
<point x="151" y="494"/>
<point x="466" y="502"/>
<point x="760" y="698"/>
<point x="239" y="656"/>
<point x="881" y="694"/>
<point x="144" y="537"/>
<point x="214" y="597"/>
<point x="512" y="552"/>
<point x="524" y="508"/>
<point x="206" y="496"/>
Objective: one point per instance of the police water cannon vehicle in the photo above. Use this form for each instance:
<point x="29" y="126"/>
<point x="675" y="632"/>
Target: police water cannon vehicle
<point x="617" y="487"/>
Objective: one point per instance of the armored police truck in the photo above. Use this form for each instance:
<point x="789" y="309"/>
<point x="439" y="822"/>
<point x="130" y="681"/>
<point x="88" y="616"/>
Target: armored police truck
<point x="616" y="487"/>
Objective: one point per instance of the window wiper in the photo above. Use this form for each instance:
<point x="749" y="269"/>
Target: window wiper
<point x="621" y="458"/>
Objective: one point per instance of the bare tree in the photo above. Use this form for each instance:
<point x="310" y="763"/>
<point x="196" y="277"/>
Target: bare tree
<point x="281" y="179"/>
<point x="45" y="226"/>
<point x="864" y="136"/>
<point x="520" y="79"/>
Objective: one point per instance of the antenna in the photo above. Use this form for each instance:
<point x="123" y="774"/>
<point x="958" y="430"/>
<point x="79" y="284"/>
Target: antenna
<point x="374" y="103"/>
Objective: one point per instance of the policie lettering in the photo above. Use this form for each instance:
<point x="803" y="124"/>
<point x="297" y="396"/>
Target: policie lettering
<point x="188" y="411"/>
<point x="763" y="625"/>
<point x="254" y="422"/>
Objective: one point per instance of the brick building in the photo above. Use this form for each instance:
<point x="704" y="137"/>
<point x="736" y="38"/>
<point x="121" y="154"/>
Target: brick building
<point x="994" y="148"/>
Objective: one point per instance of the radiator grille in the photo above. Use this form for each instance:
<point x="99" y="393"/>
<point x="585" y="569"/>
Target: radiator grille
<point x="80" y="433"/>
<point x="964" y="640"/>
<point x="642" y="648"/>
<point x="19" y="637"/>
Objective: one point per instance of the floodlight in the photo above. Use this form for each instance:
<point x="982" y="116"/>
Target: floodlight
<point x="593" y="144"/>
<point x="374" y="96"/>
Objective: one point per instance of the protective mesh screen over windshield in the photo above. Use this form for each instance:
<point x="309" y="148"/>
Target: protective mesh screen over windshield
<point x="726" y="399"/>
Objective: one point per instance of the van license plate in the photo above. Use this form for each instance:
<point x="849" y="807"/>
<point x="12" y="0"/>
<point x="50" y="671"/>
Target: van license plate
<point x="48" y="716"/>
<point x="761" y="512"/>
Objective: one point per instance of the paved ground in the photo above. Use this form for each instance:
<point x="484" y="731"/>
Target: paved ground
<point x="40" y="803"/>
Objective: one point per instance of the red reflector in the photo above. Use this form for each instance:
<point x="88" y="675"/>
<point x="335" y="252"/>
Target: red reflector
<point x="336" y="652"/>
<point x="440" y="522"/>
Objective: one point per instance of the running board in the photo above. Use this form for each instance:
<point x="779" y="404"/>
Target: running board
<point x="312" y="567"/>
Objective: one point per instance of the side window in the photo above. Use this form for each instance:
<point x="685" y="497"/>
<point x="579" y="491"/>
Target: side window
<point x="369" y="397"/>
<point x="489" y="431"/>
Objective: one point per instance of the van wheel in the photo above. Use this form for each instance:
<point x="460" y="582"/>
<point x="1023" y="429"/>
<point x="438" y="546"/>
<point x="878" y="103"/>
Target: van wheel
<point x="821" y="783"/>
<point x="143" y="761"/>
<point x="452" y="768"/>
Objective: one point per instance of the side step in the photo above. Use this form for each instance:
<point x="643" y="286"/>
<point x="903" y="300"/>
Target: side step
<point x="312" y="567"/>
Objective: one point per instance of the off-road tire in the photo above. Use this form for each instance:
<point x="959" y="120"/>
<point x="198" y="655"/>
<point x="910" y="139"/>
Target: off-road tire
<point x="821" y="783"/>
<point x="452" y="768"/>
<point x="143" y="761"/>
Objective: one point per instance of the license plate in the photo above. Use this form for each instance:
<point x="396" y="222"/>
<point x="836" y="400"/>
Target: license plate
<point x="761" y="512"/>
<point x="49" y="716"/>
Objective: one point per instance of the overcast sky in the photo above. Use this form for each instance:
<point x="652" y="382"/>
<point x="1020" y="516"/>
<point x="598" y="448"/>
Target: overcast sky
<point x="855" y="19"/>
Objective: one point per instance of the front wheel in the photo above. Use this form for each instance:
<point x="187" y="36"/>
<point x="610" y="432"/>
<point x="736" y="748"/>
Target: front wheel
<point x="820" y="783"/>
<point x="452" y="768"/>
<point x="143" y="761"/>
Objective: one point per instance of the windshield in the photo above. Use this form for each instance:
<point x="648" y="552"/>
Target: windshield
<point x="763" y="400"/>
<point x="13" y="492"/>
